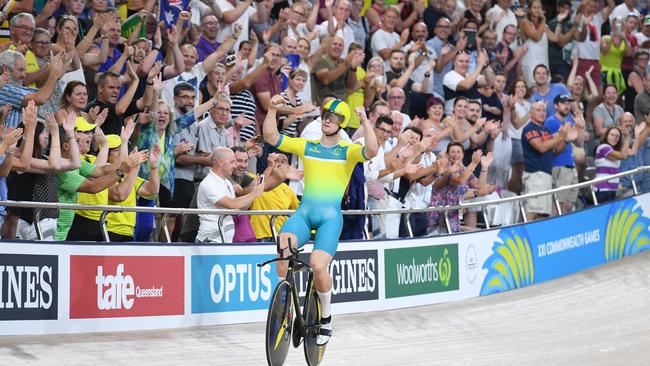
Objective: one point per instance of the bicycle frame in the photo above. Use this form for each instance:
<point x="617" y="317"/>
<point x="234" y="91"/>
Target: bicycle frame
<point x="296" y="265"/>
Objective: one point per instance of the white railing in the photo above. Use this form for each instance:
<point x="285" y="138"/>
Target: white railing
<point x="38" y="206"/>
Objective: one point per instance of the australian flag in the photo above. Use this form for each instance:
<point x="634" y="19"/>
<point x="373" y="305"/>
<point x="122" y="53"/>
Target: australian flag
<point x="170" y="9"/>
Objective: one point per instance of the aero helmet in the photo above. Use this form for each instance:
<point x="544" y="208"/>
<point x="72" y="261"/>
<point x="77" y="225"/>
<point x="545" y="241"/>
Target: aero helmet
<point x="339" y="108"/>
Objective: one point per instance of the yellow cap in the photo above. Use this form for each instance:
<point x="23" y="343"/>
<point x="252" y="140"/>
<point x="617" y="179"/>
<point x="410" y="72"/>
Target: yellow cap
<point x="113" y="141"/>
<point x="84" y="126"/>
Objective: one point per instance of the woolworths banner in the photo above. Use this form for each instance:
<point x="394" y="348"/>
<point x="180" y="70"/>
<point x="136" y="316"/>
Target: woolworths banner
<point x="65" y="288"/>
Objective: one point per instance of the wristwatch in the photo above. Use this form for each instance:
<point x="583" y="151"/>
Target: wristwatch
<point x="119" y="173"/>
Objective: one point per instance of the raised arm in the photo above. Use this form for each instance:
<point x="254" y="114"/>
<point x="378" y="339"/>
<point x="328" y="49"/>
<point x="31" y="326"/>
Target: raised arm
<point x="371" y="148"/>
<point x="270" y="126"/>
<point x="220" y="53"/>
<point x="126" y="99"/>
<point x="45" y="92"/>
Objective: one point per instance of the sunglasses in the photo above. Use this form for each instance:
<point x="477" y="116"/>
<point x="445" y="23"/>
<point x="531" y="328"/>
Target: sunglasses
<point x="332" y="117"/>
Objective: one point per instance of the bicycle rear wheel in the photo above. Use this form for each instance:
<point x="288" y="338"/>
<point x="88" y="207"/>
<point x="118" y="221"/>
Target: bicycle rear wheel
<point x="279" y="324"/>
<point x="313" y="352"/>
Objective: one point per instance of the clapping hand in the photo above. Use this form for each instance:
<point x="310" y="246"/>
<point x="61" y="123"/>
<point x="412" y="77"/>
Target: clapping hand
<point x="135" y="159"/>
<point x="154" y="155"/>
<point x="486" y="160"/>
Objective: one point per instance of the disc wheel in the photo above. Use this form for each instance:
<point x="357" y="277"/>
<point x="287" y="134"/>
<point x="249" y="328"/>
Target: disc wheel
<point x="313" y="352"/>
<point x="279" y="324"/>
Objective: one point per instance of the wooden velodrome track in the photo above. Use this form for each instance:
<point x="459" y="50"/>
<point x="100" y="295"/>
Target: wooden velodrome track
<point x="598" y="317"/>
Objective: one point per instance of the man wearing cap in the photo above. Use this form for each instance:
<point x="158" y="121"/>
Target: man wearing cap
<point x="121" y="225"/>
<point x="328" y="166"/>
<point x="538" y="145"/>
<point x="564" y="167"/>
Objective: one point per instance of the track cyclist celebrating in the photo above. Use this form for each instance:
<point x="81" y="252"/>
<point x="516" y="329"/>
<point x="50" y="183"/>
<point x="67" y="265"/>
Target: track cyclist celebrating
<point x="328" y="165"/>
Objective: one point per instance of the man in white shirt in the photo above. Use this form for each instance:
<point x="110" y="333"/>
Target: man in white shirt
<point x="459" y="82"/>
<point x="235" y="12"/>
<point x="643" y="37"/>
<point x="215" y="191"/>
<point x="500" y="16"/>
<point x="195" y="72"/>
<point x="377" y="174"/>
<point x="385" y="39"/>
<point x="339" y="26"/>
<point x="624" y="9"/>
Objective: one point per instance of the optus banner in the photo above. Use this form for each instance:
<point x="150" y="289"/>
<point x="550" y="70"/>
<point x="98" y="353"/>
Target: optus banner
<point x="231" y="283"/>
<point x="107" y="287"/>
<point x="421" y="270"/>
<point x="28" y="287"/>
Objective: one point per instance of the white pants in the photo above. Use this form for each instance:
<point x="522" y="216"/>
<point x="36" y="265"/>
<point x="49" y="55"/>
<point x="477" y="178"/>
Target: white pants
<point x="26" y="231"/>
<point x="385" y="226"/>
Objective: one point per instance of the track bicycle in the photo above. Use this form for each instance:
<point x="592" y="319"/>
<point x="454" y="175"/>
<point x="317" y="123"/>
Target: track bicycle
<point x="282" y="327"/>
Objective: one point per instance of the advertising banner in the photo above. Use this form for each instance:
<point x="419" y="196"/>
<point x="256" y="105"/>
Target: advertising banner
<point x="421" y="270"/>
<point x="126" y="286"/>
<point x="65" y="288"/>
<point x="28" y="287"/>
<point x="231" y="283"/>
<point x="355" y="276"/>
<point x="540" y="251"/>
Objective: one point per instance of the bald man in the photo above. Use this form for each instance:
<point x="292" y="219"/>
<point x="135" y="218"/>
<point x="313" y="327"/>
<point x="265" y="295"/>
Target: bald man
<point x="216" y="192"/>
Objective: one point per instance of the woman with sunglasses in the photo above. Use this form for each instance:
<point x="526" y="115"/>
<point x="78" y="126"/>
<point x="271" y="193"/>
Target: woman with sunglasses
<point x="328" y="166"/>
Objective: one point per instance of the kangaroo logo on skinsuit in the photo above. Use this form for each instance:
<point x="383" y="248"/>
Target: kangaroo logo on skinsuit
<point x="511" y="264"/>
<point x="627" y="230"/>
<point x="444" y="269"/>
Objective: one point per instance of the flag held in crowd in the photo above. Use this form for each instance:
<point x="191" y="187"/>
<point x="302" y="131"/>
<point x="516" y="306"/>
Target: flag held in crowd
<point x="170" y="10"/>
<point x="131" y="22"/>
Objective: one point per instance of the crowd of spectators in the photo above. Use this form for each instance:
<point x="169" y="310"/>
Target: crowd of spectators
<point x="105" y="103"/>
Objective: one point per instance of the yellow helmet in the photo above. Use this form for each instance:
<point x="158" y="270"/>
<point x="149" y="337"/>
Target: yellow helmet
<point x="340" y="108"/>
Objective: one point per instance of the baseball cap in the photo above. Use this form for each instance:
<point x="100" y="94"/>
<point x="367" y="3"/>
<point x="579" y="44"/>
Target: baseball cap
<point x="84" y="126"/>
<point x="564" y="2"/>
<point x="565" y="97"/>
<point x="114" y="141"/>
<point x="646" y="21"/>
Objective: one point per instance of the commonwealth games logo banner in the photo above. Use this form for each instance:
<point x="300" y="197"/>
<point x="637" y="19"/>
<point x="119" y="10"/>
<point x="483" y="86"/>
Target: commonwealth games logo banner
<point x="541" y="251"/>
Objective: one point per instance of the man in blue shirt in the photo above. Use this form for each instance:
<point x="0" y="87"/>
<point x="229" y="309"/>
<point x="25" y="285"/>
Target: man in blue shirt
<point x="538" y="145"/>
<point x="564" y="167"/>
<point x="546" y="91"/>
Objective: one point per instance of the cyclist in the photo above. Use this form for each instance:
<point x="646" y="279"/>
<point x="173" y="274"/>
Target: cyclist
<point x="328" y="165"/>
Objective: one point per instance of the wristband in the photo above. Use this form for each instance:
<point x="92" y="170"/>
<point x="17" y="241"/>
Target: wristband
<point x="427" y="74"/>
<point x="156" y="49"/>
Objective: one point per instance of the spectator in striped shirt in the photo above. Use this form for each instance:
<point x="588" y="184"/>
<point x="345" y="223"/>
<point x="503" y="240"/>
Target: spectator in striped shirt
<point x="615" y="145"/>
<point x="291" y="115"/>
<point x="13" y="92"/>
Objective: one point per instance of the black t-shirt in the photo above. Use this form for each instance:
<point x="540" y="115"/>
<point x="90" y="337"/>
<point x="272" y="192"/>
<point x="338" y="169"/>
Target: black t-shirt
<point x="431" y="17"/>
<point x="113" y="123"/>
<point x="390" y="76"/>
<point x="492" y="101"/>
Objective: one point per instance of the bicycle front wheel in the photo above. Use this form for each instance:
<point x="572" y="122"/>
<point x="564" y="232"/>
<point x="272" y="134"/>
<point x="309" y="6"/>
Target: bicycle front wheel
<point x="279" y="324"/>
<point x="313" y="352"/>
